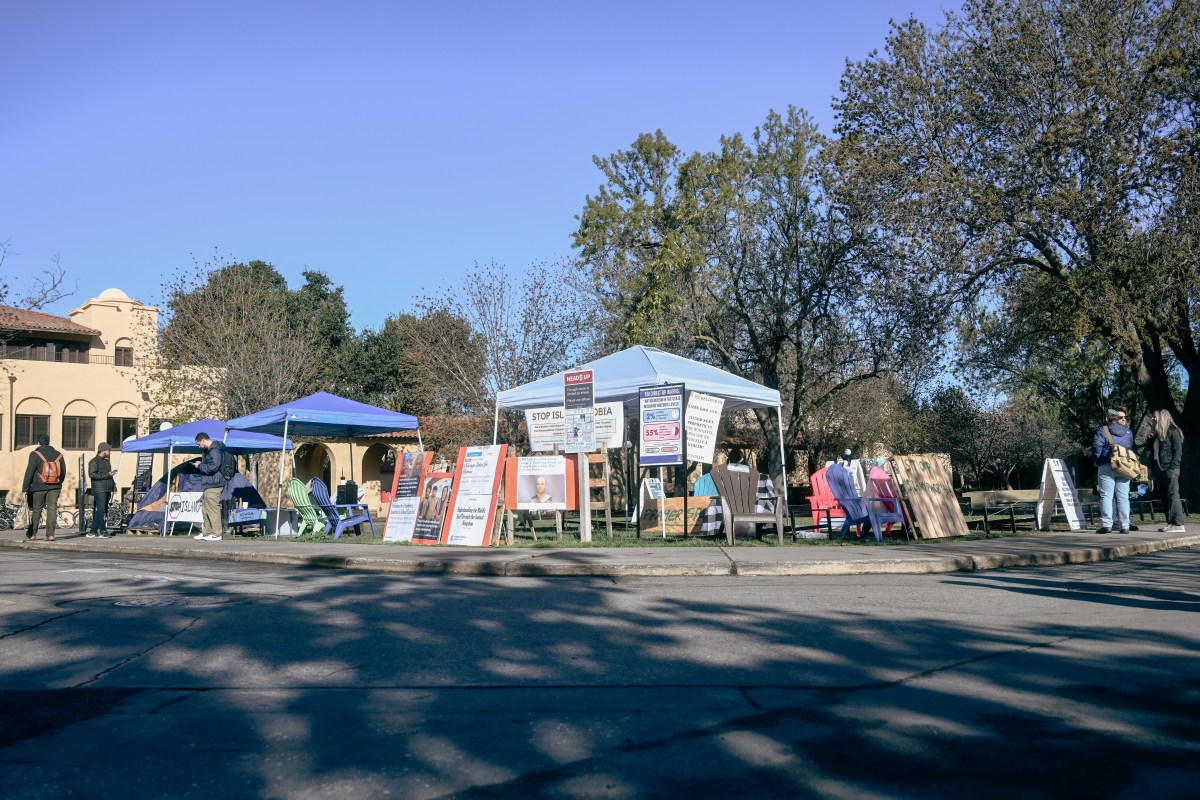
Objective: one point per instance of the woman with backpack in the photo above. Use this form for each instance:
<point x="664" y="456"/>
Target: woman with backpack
<point x="44" y="477"/>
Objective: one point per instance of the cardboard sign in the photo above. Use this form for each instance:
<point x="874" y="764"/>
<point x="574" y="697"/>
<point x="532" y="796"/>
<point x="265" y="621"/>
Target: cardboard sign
<point x="406" y="497"/>
<point x="928" y="485"/>
<point x="473" y="502"/>
<point x="672" y="512"/>
<point x="1057" y="485"/>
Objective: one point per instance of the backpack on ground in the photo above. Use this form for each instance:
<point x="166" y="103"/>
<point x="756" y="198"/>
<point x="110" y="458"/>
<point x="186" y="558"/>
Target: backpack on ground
<point x="51" y="470"/>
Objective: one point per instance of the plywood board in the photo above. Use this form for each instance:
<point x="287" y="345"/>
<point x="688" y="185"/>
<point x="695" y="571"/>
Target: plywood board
<point x="927" y="485"/>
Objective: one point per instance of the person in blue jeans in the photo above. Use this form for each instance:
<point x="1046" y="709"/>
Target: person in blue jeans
<point x="1112" y="484"/>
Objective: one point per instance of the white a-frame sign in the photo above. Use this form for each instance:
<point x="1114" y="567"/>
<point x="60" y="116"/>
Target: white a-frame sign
<point x="1057" y="485"/>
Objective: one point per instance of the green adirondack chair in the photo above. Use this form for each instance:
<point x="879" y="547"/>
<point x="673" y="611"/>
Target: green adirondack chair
<point x="310" y="518"/>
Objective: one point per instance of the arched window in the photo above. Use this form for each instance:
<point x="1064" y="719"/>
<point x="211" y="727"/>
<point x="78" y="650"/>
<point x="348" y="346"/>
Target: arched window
<point x="123" y="353"/>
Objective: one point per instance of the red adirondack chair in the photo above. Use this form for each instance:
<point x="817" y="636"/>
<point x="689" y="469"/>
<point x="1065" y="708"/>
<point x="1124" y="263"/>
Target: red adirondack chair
<point x="824" y="504"/>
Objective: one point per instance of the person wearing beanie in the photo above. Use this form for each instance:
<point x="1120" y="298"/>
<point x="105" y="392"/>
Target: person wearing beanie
<point x="44" y="476"/>
<point x="100" y="476"/>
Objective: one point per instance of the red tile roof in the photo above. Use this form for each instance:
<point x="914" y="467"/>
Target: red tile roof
<point x="18" y="319"/>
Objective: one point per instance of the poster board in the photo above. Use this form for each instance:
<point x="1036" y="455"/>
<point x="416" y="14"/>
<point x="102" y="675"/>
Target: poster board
<point x="436" y="487"/>
<point x="927" y="485"/>
<point x="700" y="421"/>
<point x="579" y="411"/>
<point x="142" y="479"/>
<point x="547" y="428"/>
<point x="406" y="496"/>
<point x="541" y="484"/>
<point x="185" y="507"/>
<point x="512" y="482"/>
<point x="660" y="425"/>
<point x="473" y="496"/>
<point x="1058" y="485"/>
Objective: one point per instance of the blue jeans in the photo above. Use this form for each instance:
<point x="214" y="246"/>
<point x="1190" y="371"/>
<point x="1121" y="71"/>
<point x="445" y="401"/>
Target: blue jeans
<point x="1111" y="482"/>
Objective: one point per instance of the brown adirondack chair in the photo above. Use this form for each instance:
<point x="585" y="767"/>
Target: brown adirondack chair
<point x="739" y="500"/>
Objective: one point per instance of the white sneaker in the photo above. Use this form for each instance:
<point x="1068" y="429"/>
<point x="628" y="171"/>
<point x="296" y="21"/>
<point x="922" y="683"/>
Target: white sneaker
<point x="1173" y="529"/>
<point x="212" y="537"/>
<point x="198" y="536"/>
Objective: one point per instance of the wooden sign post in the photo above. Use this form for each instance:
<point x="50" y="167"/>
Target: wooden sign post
<point x="927" y="484"/>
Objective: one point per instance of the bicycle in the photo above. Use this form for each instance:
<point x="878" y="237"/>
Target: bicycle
<point x="17" y="517"/>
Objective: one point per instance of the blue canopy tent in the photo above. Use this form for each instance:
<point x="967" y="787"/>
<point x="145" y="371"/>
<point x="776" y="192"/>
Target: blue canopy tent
<point x="182" y="439"/>
<point x="325" y="414"/>
<point x="619" y="376"/>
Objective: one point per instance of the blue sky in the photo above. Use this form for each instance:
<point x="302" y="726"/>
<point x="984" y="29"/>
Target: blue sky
<point x="391" y="145"/>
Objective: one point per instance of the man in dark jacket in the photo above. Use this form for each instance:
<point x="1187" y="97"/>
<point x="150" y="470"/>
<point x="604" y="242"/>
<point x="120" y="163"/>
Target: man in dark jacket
<point x="212" y="468"/>
<point x="100" y="476"/>
<point x="40" y="494"/>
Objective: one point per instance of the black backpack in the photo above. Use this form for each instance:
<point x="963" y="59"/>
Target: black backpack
<point x="228" y="464"/>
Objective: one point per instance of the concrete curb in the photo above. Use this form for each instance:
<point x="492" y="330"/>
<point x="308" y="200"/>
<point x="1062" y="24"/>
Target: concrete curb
<point x="667" y="562"/>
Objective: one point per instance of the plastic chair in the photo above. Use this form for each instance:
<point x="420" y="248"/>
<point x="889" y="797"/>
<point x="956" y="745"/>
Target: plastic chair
<point x="340" y="516"/>
<point x="302" y="501"/>
<point x="823" y="503"/>
<point x="739" y="500"/>
<point x="880" y="485"/>
<point x="861" y="509"/>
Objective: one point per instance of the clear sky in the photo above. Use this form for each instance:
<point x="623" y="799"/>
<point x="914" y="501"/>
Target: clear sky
<point x="390" y="145"/>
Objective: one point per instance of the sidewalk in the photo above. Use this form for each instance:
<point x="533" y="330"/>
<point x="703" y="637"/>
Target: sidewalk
<point x="932" y="556"/>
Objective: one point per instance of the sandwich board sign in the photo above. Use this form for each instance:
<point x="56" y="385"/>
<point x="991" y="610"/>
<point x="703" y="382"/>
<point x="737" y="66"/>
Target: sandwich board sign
<point x="1057" y="485"/>
<point x="926" y="481"/>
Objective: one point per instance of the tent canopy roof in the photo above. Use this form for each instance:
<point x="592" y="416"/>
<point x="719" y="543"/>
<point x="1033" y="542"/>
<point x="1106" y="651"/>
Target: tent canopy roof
<point x="619" y="376"/>
<point x="325" y="414"/>
<point x="182" y="439"/>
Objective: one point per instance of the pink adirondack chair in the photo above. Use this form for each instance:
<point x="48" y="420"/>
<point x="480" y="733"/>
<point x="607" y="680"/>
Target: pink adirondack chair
<point x="824" y="504"/>
<point x="880" y="485"/>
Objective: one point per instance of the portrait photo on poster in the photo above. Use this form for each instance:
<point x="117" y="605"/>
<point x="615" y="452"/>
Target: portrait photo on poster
<point x="542" y="483"/>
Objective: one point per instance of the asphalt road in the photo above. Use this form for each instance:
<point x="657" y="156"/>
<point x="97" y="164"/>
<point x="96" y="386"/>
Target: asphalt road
<point x="133" y="677"/>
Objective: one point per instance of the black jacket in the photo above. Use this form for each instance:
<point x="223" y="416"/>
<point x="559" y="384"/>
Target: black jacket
<point x="211" y="467"/>
<point x="1170" y="450"/>
<point x="100" y="475"/>
<point x="33" y="471"/>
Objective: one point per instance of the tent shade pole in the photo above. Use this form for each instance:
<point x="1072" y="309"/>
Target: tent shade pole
<point x="496" y="424"/>
<point x="167" y="496"/>
<point x="279" y="495"/>
<point x="783" y="498"/>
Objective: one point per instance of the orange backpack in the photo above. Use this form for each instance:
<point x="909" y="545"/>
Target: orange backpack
<point x="51" y="470"/>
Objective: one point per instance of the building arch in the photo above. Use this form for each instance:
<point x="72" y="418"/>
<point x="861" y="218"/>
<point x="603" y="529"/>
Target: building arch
<point x="36" y="406"/>
<point x="369" y="468"/>
<point x="79" y="408"/>
<point x="315" y="460"/>
<point x="123" y="408"/>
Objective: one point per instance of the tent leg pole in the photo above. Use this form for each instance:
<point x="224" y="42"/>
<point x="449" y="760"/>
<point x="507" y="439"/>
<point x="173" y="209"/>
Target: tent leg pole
<point x="279" y="495"/>
<point x="781" y="503"/>
<point x="167" y="484"/>
<point x="495" y="424"/>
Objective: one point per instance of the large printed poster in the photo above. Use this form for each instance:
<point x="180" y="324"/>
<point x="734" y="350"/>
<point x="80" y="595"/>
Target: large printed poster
<point x="431" y="508"/>
<point x="701" y="421"/>
<point x="542" y="483"/>
<point x="547" y="427"/>
<point x="660" y="421"/>
<point x="406" y="497"/>
<point x="473" y="501"/>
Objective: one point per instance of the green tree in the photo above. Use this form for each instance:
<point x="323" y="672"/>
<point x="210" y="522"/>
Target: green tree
<point x="231" y="343"/>
<point x="739" y="258"/>
<point x="1039" y="160"/>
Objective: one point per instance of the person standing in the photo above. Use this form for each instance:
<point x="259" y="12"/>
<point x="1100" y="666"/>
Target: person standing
<point x="1168" y="457"/>
<point x="212" y="470"/>
<point x="44" y="475"/>
<point x="1112" y="485"/>
<point x="100" y="476"/>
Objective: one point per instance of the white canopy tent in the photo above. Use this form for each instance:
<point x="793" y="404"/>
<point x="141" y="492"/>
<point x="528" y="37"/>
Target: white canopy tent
<point x="619" y="376"/>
